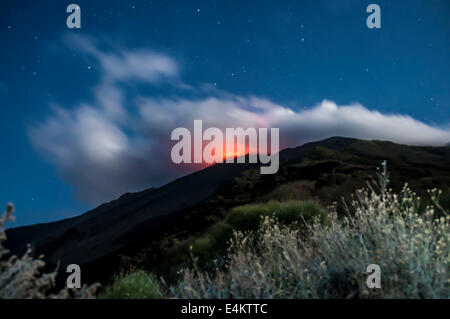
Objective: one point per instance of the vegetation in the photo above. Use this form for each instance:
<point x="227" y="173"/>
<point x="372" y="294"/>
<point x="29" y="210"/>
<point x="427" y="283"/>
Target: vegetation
<point x="295" y="250"/>
<point x="247" y="217"/>
<point x="212" y="243"/>
<point x="136" y="285"/>
<point x="279" y="247"/>
<point x="409" y="244"/>
<point x="22" y="277"/>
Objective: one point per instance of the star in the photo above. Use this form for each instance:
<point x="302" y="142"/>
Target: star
<point x="9" y="27"/>
<point x="89" y="67"/>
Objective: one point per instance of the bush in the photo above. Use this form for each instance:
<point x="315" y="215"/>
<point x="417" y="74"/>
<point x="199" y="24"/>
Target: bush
<point x="444" y="200"/>
<point x="410" y="244"/>
<point x="296" y="190"/>
<point x="135" y="285"/>
<point x="213" y="242"/>
<point x="21" y="278"/>
<point x="247" y="217"/>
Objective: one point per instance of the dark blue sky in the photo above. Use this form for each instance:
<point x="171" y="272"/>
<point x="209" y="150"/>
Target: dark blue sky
<point x="295" y="53"/>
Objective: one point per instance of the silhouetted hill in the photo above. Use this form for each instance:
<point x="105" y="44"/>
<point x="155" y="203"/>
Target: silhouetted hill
<point x="152" y="219"/>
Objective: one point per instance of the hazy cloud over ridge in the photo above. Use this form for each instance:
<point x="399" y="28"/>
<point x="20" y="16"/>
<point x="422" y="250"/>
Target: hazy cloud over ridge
<point x="104" y="149"/>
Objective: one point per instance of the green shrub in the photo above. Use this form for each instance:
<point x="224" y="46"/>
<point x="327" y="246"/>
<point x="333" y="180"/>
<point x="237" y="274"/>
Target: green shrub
<point x="203" y="246"/>
<point x="248" y="217"/>
<point x="135" y="285"/>
<point x="410" y="244"/>
<point x="213" y="243"/>
<point x="296" y="190"/>
<point x="221" y="231"/>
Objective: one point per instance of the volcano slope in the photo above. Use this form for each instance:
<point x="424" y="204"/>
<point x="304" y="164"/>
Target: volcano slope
<point x="140" y="228"/>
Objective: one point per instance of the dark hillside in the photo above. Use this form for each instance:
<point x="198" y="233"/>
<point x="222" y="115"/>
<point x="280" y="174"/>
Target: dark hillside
<point x="148" y="225"/>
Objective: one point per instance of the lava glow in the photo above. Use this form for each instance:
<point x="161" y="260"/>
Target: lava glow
<point x="212" y="146"/>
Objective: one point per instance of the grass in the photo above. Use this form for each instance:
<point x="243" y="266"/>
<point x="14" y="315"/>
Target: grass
<point x="410" y="246"/>
<point x="136" y="285"/>
<point x="296" y="190"/>
<point x="23" y="278"/>
<point x="295" y="249"/>
<point x="248" y="217"/>
<point x="213" y="242"/>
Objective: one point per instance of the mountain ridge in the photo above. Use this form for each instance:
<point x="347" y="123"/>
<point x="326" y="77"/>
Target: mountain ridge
<point x="95" y="239"/>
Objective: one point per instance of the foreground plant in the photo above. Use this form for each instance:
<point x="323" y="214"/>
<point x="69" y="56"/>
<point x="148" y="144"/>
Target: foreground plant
<point x="135" y="285"/>
<point x="410" y="244"/>
<point x="22" y="278"/>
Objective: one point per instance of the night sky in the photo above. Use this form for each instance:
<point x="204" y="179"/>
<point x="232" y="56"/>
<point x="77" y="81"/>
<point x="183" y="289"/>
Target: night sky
<point x="86" y="113"/>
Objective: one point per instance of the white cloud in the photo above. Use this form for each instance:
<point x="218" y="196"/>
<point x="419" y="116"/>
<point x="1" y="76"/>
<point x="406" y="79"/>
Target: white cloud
<point x="140" y="65"/>
<point x="104" y="149"/>
<point x="328" y="119"/>
<point x="125" y="65"/>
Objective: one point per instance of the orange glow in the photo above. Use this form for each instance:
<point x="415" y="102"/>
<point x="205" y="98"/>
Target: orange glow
<point x="238" y="152"/>
<point x="234" y="154"/>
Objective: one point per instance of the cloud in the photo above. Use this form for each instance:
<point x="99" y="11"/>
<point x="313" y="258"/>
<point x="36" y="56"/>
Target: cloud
<point x="125" y="65"/>
<point x="104" y="148"/>
<point x="328" y="119"/>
